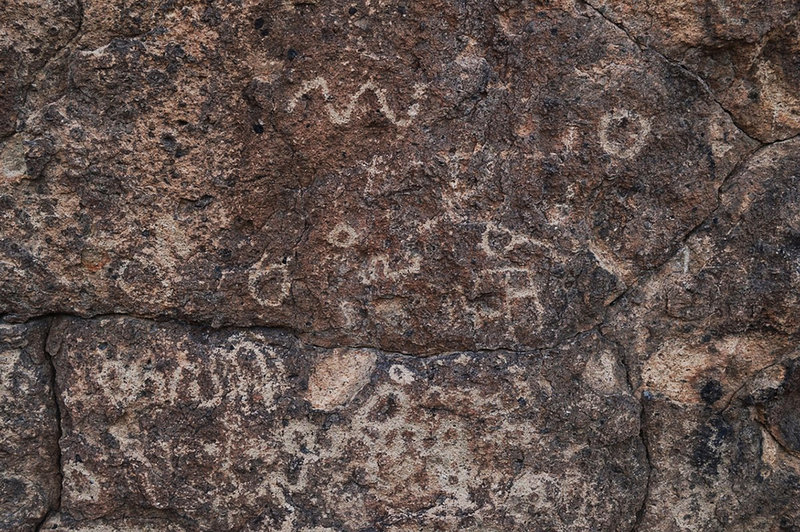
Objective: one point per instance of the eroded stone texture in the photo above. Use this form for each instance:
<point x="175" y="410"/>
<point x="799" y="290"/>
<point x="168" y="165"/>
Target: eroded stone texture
<point x="713" y="352"/>
<point x="585" y="216"/>
<point x="720" y="470"/>
<point x="32" y="33"/>
<point x="733" y="281"/>
<point x="746" y="53"/>
<point x="219" y="430"/>
<point x="460" y="175"/>
<point x="29" y="474"/>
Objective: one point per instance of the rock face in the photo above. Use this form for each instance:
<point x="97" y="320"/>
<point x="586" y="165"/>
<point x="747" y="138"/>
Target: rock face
<point x="476" y="265"/>
<point x="29" y="453"/>
<point x="230" y="430"/>
<point x="455" y="182"/>
<point x="746" y="56"/>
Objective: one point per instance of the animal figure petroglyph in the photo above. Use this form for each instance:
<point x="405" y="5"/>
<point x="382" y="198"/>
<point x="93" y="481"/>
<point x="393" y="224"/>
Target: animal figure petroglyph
<point x="344" y="115"/>
<point x="384" y="267"/>
<point x="515" y="239"/>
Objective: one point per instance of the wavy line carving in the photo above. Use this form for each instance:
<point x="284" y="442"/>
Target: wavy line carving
<point x="345" y="115"/>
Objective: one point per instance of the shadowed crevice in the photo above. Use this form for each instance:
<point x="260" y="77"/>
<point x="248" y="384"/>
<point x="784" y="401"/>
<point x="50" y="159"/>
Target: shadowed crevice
<point x="59" y="430"/>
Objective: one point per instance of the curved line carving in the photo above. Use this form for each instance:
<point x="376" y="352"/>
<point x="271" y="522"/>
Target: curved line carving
<point x="344" y="115"/>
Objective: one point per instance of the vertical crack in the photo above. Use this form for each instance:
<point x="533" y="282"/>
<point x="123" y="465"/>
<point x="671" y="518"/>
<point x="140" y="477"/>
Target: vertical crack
<point x="640" y="512"/>
<point x="59" y="431"/>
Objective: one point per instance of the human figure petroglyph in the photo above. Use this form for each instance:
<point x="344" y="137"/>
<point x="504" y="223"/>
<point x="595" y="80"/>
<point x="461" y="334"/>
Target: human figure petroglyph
<point x="375" y="169"/>
<point x="344" y="115"/>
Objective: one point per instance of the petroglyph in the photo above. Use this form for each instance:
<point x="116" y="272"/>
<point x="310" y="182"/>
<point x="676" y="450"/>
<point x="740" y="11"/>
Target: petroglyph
<point x="374" y="169"/>
<point x="497" y="240"/>
<point x="389" y="421"/>
<point x="345" y="114"/>
<point x="553" y="286"/>
<point x="236" y="376"/>
<point x="270" y="285"/>
<point x="632" y="140"/>
<point x="147" y="264"/>
<point x="514" y="284"/>
<point x="342" y="235"/>
<point x="383" y="267"/>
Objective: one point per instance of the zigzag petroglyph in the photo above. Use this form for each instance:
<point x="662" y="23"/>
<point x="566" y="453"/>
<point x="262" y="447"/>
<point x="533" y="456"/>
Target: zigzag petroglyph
<point x="343" y="116"/>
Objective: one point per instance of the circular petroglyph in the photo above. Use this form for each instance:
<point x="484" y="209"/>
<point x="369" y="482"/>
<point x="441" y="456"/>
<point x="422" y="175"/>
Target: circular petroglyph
<point x="342" y="235"/>
<point x="623" y="133"/>
<point x="269" y="283"/>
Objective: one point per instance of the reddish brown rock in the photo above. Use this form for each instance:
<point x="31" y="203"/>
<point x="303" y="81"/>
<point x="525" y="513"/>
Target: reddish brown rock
<point x="32" y="35"/>
<point x="733" y="280"/>
<point x="479" y="265"/>
<point x="713" y="352"/>
<point x="746" y="55"/>
<point x="29" y="453"/>
<point x="460" y="178"/>
<point x="718" y="470"/>
<point x="223" y="430"/>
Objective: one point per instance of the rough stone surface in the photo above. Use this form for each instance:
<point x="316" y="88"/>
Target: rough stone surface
<point x="746" y="53"/>
<point x="713" y="351"/>
<point x="442" y="169"/>
<point x="29" y="454"/>
<point x="213" y="430"/>
<point x="393" y="265"/>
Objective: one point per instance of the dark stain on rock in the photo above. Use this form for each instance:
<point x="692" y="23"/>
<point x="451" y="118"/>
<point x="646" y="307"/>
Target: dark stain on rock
<point x="709" y="439"/>
<point x="711" y="392"/>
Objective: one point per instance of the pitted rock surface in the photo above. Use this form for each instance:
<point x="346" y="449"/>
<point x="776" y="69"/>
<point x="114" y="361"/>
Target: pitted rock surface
<point x="455" y="181"/>
<point x="29" y="453"/>
<point x="746" y="55"/>
<point x="394" y="265"/>
<point x="215" y="427"/>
